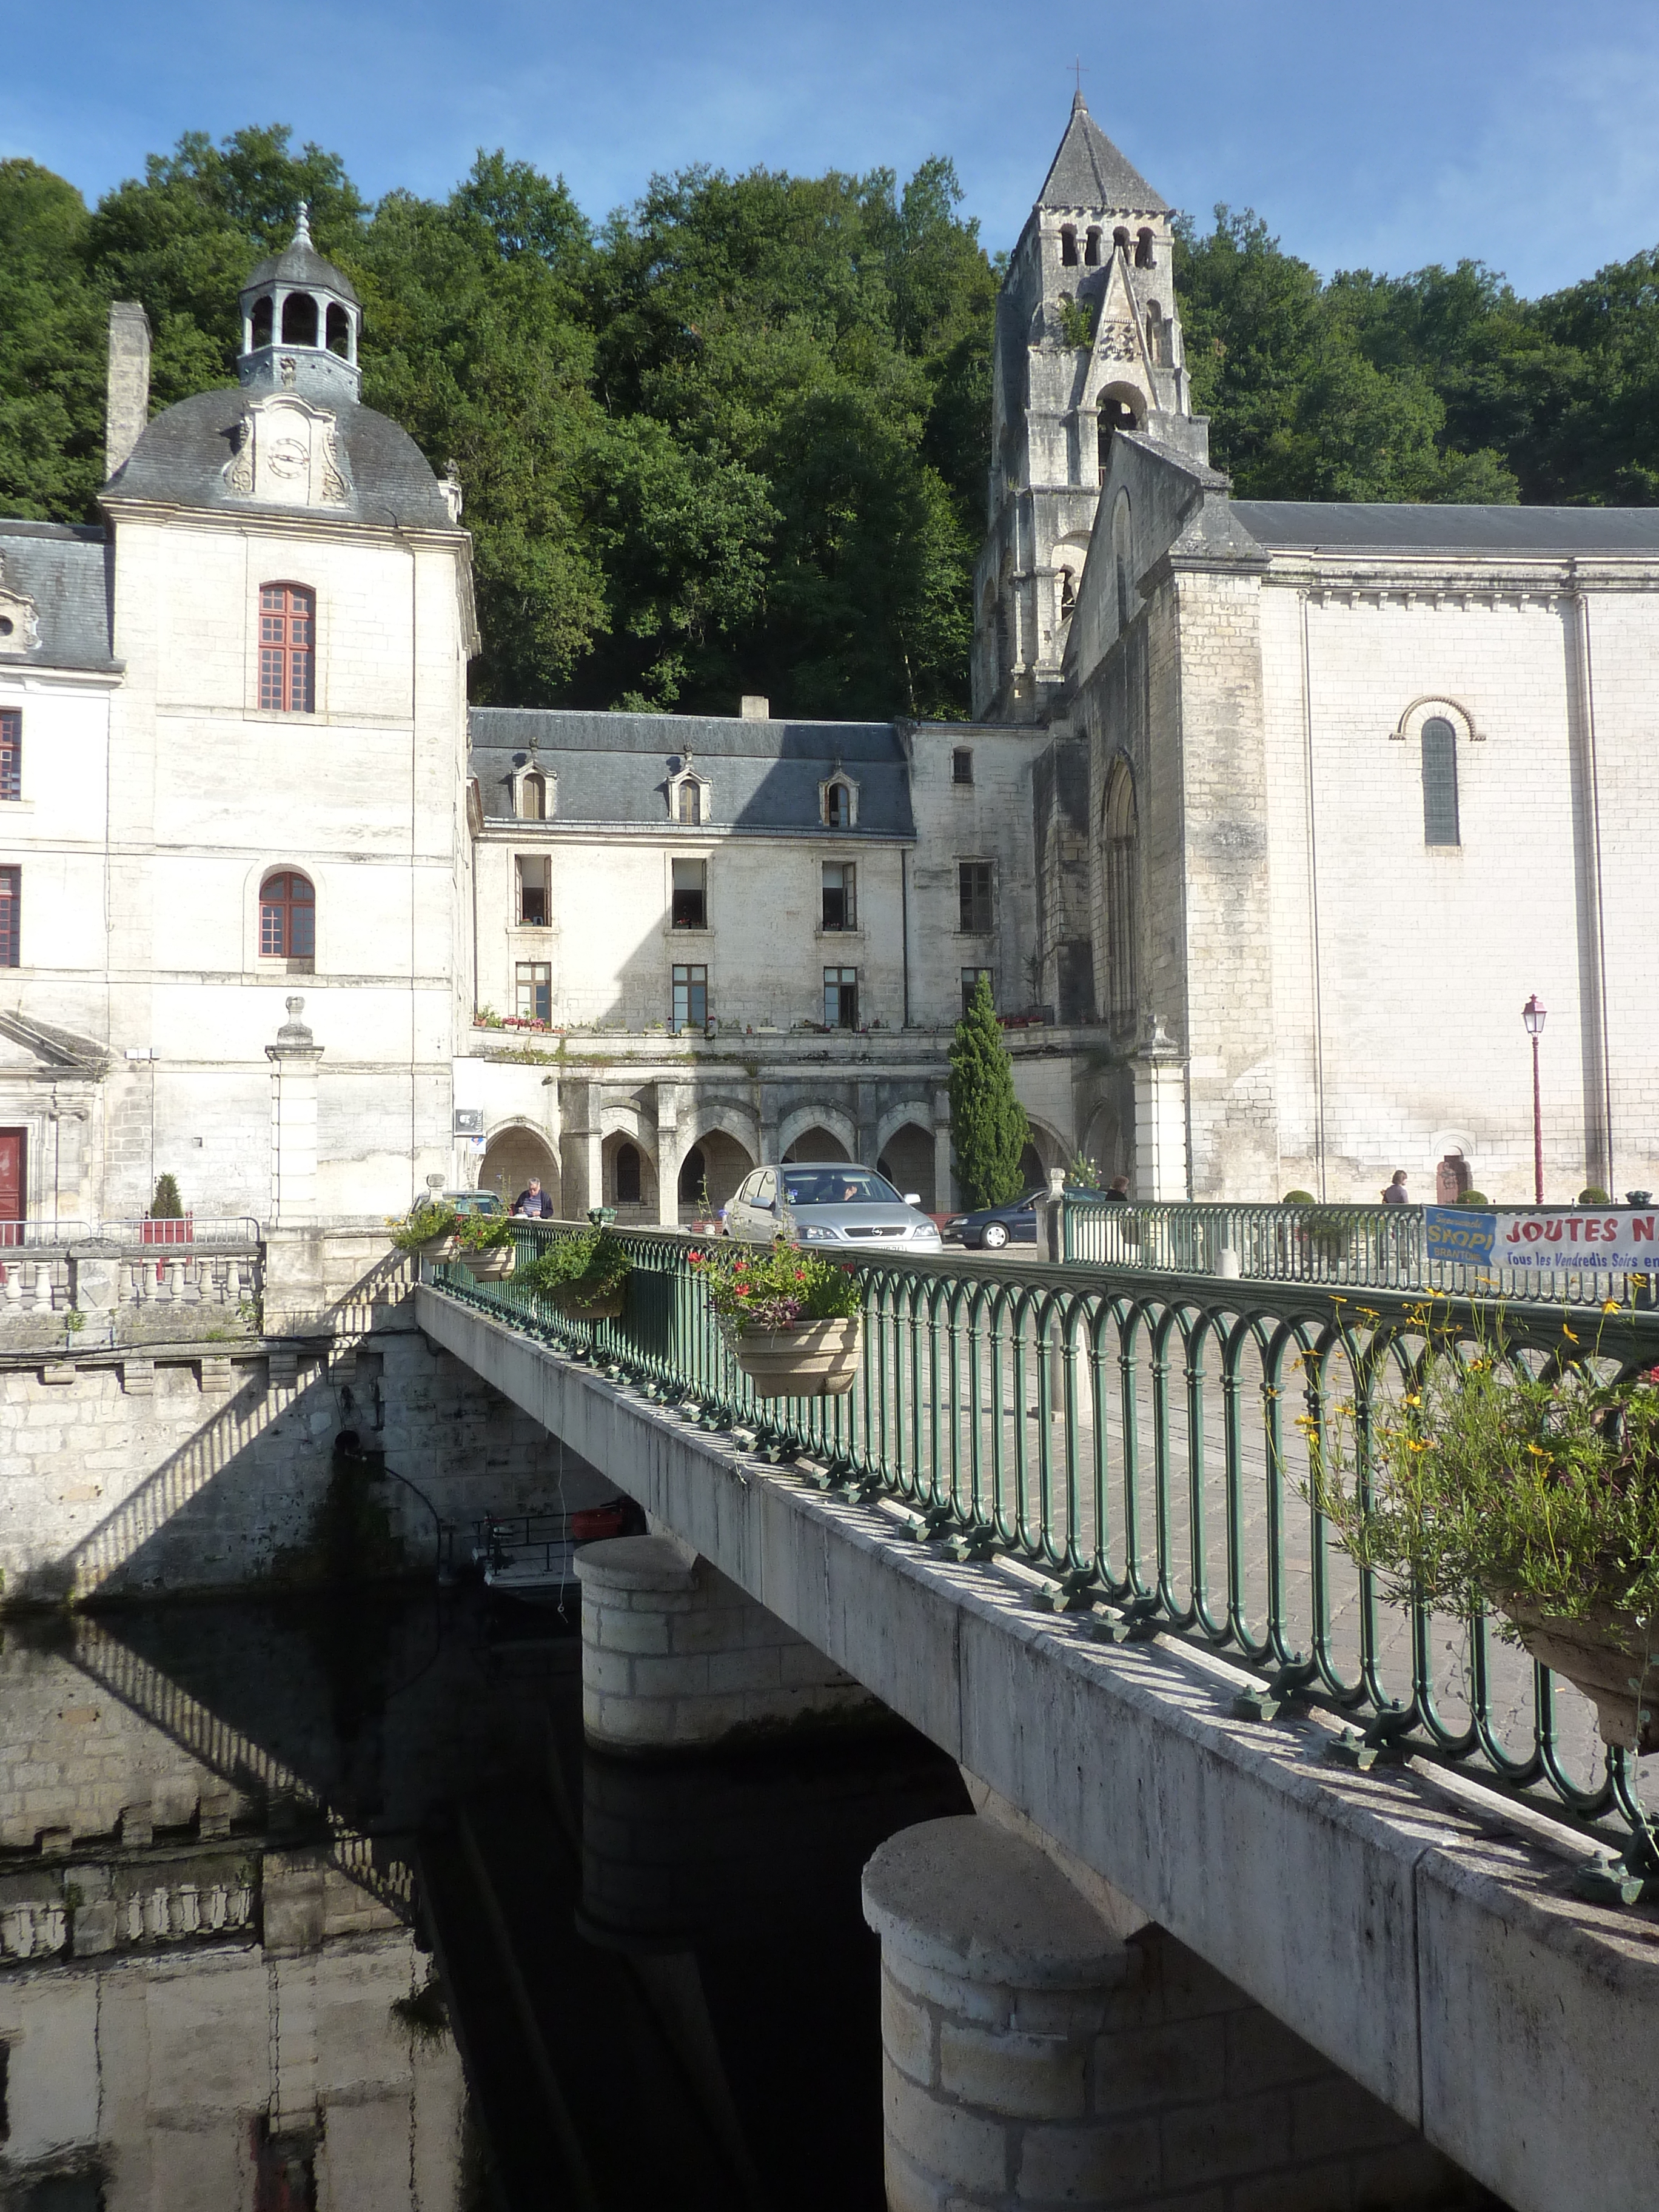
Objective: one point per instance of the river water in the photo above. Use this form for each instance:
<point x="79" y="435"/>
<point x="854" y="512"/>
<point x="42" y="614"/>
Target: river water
<point x="326" y="1907"/>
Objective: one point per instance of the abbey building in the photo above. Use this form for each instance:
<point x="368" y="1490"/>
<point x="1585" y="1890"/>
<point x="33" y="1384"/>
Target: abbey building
<point x="1270" y="820"/>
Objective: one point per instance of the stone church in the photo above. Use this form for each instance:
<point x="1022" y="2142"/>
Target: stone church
<point x="1270" y="819"/>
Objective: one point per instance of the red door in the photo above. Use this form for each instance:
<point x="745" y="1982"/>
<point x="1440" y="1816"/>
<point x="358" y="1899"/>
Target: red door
<point x="11" y="1184"/>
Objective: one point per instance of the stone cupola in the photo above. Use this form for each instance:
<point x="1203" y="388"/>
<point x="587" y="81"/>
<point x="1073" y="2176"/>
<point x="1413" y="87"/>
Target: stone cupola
<point x="300" y="324"/>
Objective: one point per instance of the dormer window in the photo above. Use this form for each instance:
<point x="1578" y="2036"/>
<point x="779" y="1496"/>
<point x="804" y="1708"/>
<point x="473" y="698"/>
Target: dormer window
<point x="838" y="805"/>
<point x="690" y="807"/>
<point x="532" y="796"/>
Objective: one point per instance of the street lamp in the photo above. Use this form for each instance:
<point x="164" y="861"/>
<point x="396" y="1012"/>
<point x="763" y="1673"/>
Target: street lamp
<point x="1533" y="1015"/>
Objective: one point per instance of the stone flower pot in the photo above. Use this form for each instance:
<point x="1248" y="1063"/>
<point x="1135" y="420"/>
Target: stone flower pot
<point x="439" y="1248"/>
<point x="577" y="1304"/>
<point x="1604" y="1655"/>
<point x="820" y="1360"/>
<point x="493" y="1266"/>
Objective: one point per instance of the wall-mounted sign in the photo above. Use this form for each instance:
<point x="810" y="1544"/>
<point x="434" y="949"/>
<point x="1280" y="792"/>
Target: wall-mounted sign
<point x="469" y="1120"/>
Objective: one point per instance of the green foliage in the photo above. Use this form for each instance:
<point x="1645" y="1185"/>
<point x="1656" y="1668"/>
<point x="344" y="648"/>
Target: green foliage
<point x="1077" y="321"/>
<point x="1298" y="1198"/>
<point x="429" y="1217"/>
<point x="1592" y="1194"/>
<point x="166" y="1206"/>
<point x="1491" y="1480"/>
<point x="779" y="1286"/>
<point x="590" y="1263"/>
<point x="1084" y="1174"/>
<point x="484" y="1232"/>
<point x="1476" y="1198"/>
<point x="989" y="1128"/>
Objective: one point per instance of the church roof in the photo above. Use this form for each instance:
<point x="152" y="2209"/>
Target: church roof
<point x="299" y="263"/>
<point x="182" y="455"/>
<point x="613" y="770"/>
<point x="64" y="570"/>
<point x="1089" y="171"/>
<point x="1331" y="525"/>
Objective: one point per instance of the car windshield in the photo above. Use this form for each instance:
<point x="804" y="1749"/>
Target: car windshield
<point x="838" y="1186"/>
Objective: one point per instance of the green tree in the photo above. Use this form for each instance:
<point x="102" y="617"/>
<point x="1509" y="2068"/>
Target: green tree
<point x="988" y="1129"/>
<point x="52" y="325"/>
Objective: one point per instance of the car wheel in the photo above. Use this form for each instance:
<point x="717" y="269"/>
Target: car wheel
<point x="994" y="1237"/>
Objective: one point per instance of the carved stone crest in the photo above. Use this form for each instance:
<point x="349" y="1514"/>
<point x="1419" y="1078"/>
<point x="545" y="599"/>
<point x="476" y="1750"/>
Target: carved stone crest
<point x="20" y="620"/>
<point x="1117" y="341"/>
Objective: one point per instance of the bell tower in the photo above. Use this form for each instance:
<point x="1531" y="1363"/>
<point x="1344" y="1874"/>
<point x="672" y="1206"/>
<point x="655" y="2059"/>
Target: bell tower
<point x="300" y="324"/>
<point x="1088" y="344"/>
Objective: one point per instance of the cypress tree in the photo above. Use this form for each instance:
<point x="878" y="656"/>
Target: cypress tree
<point x="988" y="1122"/>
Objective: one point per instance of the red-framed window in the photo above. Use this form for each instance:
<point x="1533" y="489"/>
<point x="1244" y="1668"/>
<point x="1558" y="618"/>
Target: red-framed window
<point x="11" y="909"/>
<point x="288" y="648"/>
<point x="11" y="753"/>
<point x="288" y="917"/>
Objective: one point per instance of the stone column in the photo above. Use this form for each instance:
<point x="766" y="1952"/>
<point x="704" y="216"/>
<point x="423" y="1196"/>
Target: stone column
<point x="1160" y="1083"/>
<point x="581" y="1154"/>
<point x="676" y="1658"/>
<point x="943" y="1191"/>
<point x="669" y="1099"/>
<point x="1041" y="2048"/>
<point x="294" y="1059"/>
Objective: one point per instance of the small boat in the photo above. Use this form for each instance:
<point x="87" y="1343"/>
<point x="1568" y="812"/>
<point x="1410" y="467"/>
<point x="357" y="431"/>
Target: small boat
<point x="531" y="1556"/>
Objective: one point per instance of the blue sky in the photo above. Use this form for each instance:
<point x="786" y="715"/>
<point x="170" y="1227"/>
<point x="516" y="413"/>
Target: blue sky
<point x="1521" y="134"/>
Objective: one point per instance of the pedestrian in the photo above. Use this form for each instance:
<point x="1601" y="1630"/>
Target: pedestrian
<point x="1119" y="1192"/>
<point x="534" y="1202"/>
<point x="1396" y="1193"/>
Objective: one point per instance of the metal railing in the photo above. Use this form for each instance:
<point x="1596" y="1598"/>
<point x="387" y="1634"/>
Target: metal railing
<point x="1349" y="1246"/>
<point x="1135" y="1439"/>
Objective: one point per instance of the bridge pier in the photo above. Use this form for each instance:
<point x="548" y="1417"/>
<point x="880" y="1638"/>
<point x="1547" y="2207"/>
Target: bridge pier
<point x="676" y="1657"/>
<point x="1033" y="2054"/>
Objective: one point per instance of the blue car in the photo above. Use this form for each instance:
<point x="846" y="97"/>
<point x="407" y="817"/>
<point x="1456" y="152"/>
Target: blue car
<point x="993" y="1226"/>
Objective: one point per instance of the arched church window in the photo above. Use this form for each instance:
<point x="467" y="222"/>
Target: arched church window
<point x="264" y="320"/>
<point x="1091" y="247"/>
<point x="339" y="332"/>
<point x="1068" y="244"/>
<point x="1143" y="250"/>
<point x="628" y="1175"/>
<point x="1440" y="782"/>
<point x="288" y="917"/>
<point x="1121" y="237"/>
<point x="1120" y="839"/>
<point x="299" y="319"/>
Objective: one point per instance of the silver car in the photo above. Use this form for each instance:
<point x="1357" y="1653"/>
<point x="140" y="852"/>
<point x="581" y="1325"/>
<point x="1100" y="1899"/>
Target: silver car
<point x="829" y="1202"/>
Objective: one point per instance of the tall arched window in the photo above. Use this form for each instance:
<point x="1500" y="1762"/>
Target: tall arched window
<point x="288" y="648"/>
<point x="532" y="797"/>
<point x="288" y="917"/>
<point x="1440" y="782"/>
<point x="1121" y="237"/>
<point x="1143" y="250"/>
<point x="263" y="319"/>
<point x="628" y="1175"/>
<point x="1121" y="840"/>
<point x="299" y="319"/>
<point x="690" y="806"/>
<point x="1068" y="245"/>
<point x="837" y="806"/>
<point x="1091" y="247"/>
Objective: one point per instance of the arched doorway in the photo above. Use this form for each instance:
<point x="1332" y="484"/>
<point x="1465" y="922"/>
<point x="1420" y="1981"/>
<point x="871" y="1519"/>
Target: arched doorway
<point x="512" y="1157"/>
<point x="710" y="1172"/>
<point x="818" y="1144"/>
<point x="907" y="1163"/>
<point x="1032" y="1174"/>
<point x="630" y="1178"/>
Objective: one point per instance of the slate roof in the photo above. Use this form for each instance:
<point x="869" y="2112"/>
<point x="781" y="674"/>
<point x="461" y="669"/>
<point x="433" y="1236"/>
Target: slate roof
<point x="1332" y="526"/>
<point x="66" y="569"/>
<point x="299" y="263"/>
<point x="182" y="455"/>
<point x="1089" y="171"/>
<point x="613" y="770"/>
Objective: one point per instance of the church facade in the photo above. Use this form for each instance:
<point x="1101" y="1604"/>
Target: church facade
<point x="1270" y="820"/>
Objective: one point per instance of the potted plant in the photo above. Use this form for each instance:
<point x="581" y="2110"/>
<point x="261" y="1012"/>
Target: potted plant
<point x="167" y="1221"/>
<point x="484" y="1246"/>
<point x="427" y="1229"/>
<point x="793" y="1319"/>
<point x="1534" y="1491"/>
<point x="584" y="1275"/>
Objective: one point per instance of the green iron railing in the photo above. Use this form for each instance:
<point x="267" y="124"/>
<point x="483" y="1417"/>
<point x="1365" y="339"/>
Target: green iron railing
<point x="1351" y="1247"/>
<point x="1136" y="1438"/>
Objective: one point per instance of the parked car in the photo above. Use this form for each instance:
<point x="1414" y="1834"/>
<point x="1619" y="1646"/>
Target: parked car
<point x="829" y="1202"/>
<point x="472" y="1201"/>
<point x="990" y="1227"/>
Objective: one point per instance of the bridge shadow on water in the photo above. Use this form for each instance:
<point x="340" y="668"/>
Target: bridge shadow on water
<point x="656" y="1976"/>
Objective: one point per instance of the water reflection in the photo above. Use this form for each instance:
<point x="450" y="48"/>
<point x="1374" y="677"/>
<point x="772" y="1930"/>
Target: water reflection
<point x="327" y="1906"/>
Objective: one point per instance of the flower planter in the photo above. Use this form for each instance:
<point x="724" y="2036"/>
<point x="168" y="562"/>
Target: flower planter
<point x="439" y="1248"/>
<point x="577" y="1304"/>
<point x="820" y="1360"/>
<point x="176" y="1230"/>
<point x="492" y="1267"/>
<point x="1603" y="1654"/>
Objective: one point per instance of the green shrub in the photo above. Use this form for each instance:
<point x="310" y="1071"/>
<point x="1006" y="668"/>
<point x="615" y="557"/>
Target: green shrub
<point x="426" y="1219"/>
<point x="1474" y="1198"/>
<point x="1591" y="1196"/>
<point x="591" y="1263"/>
<point x="1298" y="1198"/>
<point x="166" y="1206"/>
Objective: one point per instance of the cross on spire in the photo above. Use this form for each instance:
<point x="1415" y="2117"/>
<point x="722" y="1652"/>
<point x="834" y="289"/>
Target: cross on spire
<point x="1080" y="72"/>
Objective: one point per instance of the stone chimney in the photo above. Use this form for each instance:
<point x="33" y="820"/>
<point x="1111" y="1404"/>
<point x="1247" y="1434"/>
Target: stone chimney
<point x="127" y="406"/>
<point x="755" y="707"/>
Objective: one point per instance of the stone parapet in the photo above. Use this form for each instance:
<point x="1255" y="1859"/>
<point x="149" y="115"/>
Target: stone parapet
<point x="675" y="1657"/>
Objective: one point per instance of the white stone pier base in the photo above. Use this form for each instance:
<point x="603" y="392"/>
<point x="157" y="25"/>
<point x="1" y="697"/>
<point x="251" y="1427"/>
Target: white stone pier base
<point x="676" y="1658"/>
<point x="1032" y="2056"/>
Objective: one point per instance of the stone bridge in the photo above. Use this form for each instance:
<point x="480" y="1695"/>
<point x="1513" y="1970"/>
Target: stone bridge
<point x="1087" y="1991"/>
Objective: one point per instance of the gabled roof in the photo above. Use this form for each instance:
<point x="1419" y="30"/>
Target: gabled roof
<point x="1089" y="171"/>
<point x="1337" y="527"/>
